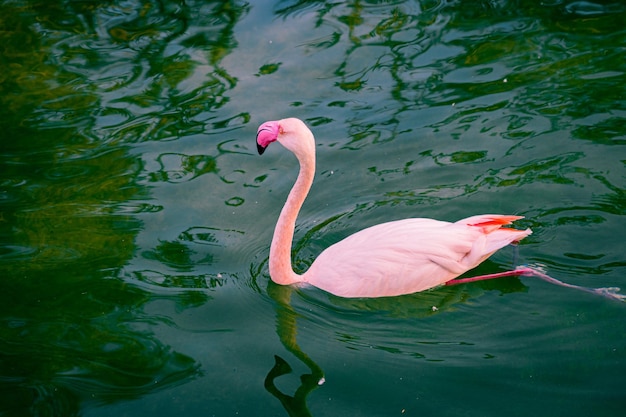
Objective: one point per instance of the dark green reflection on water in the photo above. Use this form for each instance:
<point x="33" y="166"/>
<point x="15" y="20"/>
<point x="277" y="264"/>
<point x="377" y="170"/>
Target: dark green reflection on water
<point x="94" y="66"/>
<point x="67" y="341"/>
<point x="79" y="81"/>
<point x="509" y="62"/>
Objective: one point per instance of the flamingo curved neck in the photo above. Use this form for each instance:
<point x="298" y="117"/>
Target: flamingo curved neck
<point x="281" y="270"/>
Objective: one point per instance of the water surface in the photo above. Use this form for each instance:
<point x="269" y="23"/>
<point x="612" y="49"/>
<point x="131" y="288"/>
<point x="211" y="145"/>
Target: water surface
<point x="136" y="216"/>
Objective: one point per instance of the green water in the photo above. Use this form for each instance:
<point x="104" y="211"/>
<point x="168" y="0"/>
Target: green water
<point x="136" y="216"/>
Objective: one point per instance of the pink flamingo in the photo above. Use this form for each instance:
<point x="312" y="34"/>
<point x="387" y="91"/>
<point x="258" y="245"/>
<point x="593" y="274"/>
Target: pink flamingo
<point x="389" y="259"/>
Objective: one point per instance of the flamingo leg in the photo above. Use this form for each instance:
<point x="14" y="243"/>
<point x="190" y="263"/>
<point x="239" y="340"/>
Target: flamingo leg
<point x="610" y="292"/>
<point x="514" y="273"/>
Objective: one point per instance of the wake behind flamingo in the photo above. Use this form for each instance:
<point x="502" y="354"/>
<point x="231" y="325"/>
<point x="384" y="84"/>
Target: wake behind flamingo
<point x="389" y="259"/>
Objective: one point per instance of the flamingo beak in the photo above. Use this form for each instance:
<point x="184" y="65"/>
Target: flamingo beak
<point x="266" y="134"/>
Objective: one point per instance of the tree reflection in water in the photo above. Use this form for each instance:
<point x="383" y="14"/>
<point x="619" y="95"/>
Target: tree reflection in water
<point x="82" y="83"/>
<point x="67" y="343"/>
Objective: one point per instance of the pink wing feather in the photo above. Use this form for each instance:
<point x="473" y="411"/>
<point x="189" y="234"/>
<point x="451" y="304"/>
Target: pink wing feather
<point x="408" y="256"/>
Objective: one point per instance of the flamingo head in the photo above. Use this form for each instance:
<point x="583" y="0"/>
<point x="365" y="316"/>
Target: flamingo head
<point x="267" y="133"/>
<point x="292" y="133"/>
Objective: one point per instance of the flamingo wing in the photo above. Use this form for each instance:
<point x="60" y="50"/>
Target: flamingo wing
<point x="408" y="256"/>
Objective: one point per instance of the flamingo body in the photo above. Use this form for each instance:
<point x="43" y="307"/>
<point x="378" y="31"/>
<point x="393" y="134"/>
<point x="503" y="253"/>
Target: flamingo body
<point x="389" y="259"/>
<point x="407" y="256"/>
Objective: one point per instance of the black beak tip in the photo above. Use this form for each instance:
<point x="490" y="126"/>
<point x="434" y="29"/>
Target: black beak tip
<point x="260" y="149"/>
